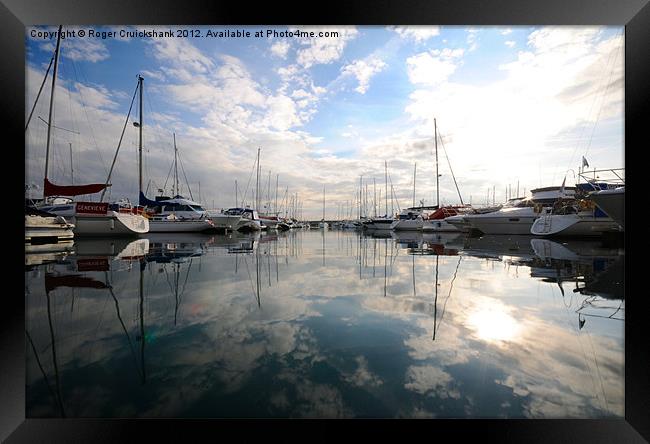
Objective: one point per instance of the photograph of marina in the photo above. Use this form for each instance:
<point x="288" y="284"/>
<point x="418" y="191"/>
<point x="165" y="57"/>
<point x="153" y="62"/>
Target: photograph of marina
<point x="324" y="222"/>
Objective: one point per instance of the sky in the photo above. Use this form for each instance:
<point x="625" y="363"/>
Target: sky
<point x="513" y="106"/>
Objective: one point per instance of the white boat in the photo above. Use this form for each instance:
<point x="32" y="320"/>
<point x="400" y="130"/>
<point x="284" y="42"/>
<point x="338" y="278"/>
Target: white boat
<point x="224" y="221"/>
<point x="323" y="225"/>
<point x="42" y="227"/>
<point x="411" y="219"/>
<point x="270" y="221"/>
<point x="518" y="214"/>
<point x="612" y="202"/>
<point x="249" y="221"/>
<point x="579" y="218"/>
<point x="88" y="218"/>
<point x="177" y="214"/>
<point x="97" y="219"/>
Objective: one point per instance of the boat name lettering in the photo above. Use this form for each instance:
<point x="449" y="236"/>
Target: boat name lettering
<point x="92" y="207"/>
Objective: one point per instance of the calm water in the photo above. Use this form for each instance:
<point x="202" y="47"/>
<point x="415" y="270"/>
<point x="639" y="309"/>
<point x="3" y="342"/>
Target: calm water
<point x="313" y="324"/>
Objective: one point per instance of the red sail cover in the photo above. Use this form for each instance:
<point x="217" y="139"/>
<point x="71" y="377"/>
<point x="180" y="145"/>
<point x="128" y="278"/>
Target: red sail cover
<point x="74" y="281"/>
<point x="71" y="190"/>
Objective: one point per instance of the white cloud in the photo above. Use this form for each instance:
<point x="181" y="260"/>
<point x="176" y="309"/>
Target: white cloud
<point x="363" y="70"/>
<point x="86" y="50"/>
<point x="433" y="67"/>
<point x="96" y="97"/>
<point x="181" y="53"/>
<point x="472" y="39"/>
<point x="556" y="86"/>
<point x="506" y="31"/>
<point x="323" y="50"/>
<point x="510" y="43"/>
<point x="157" y="75"/>
<point x="416" y="33"/>
<point x="280" y="49"/>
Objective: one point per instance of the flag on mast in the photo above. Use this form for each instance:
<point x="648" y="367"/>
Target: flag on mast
<point x="584" y="162"/>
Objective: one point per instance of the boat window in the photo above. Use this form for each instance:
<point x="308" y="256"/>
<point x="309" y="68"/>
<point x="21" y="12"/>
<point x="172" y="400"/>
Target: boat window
<point x="196" y="207"/>
<point x="525" y="203"/>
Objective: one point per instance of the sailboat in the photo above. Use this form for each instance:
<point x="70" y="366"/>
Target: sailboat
<point x="89" y="218"/>
<point x="412" y="218"/>
<point x="436" y="220"/>
<point x="323" y="224"/>
<point x="382" y="222"/>
<point x="249" y="218"/>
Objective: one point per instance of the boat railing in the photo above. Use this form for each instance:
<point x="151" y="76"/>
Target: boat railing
<point x="608" y="176"/>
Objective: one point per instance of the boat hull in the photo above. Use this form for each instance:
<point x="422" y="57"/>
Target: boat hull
<point x="503" y="225"/>
<point x="574" y="225"/>
<point x="440" y="225"/>
<point x="225" y="221"/>
<point x="407" y="225"/>
<point x="612" y="202"/>
<point x="47" y="229"/>
<point x="115" y="224"/>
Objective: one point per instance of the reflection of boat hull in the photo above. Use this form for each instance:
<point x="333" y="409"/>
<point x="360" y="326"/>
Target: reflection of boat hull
<point x="115" y="224"/>
<point x="37" y="254"/>
<point x="612" y="202"/>
<point x="109" y="247"/>
<point x="440" y="225"/>
<point x="572" y="250"/>
<point x="179" y="226"/>
<point x="497" y="246"/>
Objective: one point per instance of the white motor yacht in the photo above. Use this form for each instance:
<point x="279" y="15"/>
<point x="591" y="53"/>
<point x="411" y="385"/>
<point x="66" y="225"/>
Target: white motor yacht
<point x="518" y="214"/>
<point x="578" y="218"/>
<point x="250" y="220"/>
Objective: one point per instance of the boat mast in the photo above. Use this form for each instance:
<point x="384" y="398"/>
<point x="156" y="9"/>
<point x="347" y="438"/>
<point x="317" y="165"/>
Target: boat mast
<point x="275" y="207"/>
<point x="386" y="184"/>
<point x="415" y="166"/>
<point x="71" y="166"/>
<point x="374" y="198"/>
<point x="176" y="165"/>
<point x="323" y="203"/>
<point x="257" y="184"/>
<point x="360" y="187"/>
<point x="140" y="85"/>
<point x="49" y="124"/>
<point x="435" y="137"/>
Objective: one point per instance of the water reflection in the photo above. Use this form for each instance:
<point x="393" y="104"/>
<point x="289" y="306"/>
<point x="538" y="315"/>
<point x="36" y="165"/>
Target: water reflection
<point x="326" y="324"/>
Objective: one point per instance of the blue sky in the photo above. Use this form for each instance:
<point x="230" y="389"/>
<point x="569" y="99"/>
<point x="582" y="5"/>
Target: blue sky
<point x="512" y="104"/>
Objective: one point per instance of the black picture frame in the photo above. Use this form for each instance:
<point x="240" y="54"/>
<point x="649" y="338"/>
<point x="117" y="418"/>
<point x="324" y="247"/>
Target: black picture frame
<point x="15" y="15"/>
